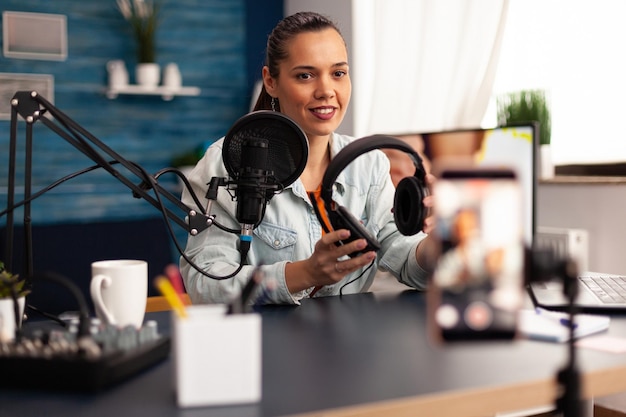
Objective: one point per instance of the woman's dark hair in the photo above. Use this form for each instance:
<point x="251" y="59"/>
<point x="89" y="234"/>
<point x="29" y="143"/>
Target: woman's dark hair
<point x="276" y="50"/>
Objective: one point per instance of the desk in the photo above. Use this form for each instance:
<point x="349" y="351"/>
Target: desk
<point x="361" y="354"/>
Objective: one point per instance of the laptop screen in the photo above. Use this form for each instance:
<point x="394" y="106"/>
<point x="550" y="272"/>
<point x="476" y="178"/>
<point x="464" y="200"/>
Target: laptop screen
<point x="509" y="147"/>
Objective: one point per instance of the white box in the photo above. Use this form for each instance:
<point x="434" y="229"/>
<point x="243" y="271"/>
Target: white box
<point x="566" y="242"/>
<point x="217" y="357"/>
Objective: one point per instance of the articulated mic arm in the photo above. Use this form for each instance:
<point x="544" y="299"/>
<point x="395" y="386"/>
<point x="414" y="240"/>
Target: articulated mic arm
<point x="31" y="107"/>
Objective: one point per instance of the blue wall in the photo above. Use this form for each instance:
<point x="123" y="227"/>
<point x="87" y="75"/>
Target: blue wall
<point x="216" y="46"/>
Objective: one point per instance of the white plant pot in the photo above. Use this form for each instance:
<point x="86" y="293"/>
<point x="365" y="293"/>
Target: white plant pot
<point x="148" y="74"/>
<point x="7" y="318"/>
<point x="546" y="167"/>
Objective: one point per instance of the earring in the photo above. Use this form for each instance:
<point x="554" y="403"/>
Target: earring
<point x="273" y="103"/>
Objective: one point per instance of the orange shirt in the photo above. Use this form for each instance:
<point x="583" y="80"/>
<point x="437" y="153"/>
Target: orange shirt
<point x="320" y="207"/>
<point x="316" y="200"/>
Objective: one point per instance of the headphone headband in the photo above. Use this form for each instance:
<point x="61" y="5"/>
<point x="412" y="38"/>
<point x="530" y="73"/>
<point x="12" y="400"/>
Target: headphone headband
<point x="358" y="147"/>
<point x="408" y="210"/>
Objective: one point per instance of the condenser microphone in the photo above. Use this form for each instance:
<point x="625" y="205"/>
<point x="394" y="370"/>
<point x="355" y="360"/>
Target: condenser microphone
<point x="263" y="152"/>
<point x="254" y="185"/>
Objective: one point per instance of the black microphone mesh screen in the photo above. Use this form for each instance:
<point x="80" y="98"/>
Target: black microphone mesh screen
<point x="288" y="148"/>
<point x="254" y="154"/>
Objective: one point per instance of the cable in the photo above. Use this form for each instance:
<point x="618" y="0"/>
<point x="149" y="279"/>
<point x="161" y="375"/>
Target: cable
<point x="244" y="247"/>
<point x="46" y="315"/>
<point x="52" y="186"/>
<point x="152" y="181"/>
<point x="83" y="326"/>
<point x="186" y="184"/>
<point x="193" y="195"/>
<point x="356" y="278"/>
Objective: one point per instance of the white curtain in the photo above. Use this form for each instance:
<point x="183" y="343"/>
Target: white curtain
<point x="423" y="65"/>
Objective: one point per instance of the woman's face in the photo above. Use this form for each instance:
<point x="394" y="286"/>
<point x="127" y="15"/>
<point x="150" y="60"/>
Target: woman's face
<point x="313" y="86"/>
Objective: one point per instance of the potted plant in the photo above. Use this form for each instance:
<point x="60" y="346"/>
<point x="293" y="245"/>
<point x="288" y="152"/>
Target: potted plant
<point x="143" y="17"/>
<point x="187" y="159"/>
<point x="11" y="286"/>
<point x="529" y="106"/>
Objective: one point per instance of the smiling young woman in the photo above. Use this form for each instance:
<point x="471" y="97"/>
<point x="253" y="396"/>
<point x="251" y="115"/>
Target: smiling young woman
<point x="306" y="77"/>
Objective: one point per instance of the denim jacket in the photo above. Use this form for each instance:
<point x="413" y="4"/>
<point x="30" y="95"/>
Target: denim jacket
<point x="290" y="229"/>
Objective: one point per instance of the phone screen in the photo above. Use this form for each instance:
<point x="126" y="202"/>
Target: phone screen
<point x="477" y="286"/>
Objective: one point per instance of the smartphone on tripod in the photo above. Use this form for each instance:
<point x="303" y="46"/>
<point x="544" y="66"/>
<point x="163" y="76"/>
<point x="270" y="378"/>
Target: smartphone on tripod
<point x="477" y="287"/>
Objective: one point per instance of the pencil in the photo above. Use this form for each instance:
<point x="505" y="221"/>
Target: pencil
<point x="165" y="287"/>
<point x="172" y="272"/>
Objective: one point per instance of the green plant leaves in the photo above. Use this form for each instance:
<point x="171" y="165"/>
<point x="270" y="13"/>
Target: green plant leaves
<point x="11" y="284"/>
<point x="526" y="106"/>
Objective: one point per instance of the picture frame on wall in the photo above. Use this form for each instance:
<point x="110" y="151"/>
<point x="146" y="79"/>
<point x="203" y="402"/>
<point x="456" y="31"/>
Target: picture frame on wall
<point x="34" y="35"/>
<point x="10" y="84"/>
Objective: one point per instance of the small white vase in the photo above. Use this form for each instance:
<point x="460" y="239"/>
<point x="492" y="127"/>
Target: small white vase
<point x="7" y="318"/>
<point x="171" y="76"/>
<point x="148" y="74"/>
<point x="118" y="75"/>
<point x="546" y="167"/>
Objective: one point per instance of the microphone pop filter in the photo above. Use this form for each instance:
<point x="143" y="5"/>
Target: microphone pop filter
<point x="288" y="148"/>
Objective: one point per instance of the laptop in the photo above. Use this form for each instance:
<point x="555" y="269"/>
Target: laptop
<point x="598" y="293"/>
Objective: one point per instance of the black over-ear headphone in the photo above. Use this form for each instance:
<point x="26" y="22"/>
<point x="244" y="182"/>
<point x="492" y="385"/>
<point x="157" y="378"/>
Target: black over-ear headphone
<point x="408" y="211"/>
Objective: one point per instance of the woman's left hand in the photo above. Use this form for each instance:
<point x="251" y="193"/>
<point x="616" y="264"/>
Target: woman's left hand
<point x="429" y="202"/>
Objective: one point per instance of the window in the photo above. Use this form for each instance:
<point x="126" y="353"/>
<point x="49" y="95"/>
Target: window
<point x="575" y="51"/>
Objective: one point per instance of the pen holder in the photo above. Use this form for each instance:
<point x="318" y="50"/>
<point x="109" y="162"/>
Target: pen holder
<point x="217" y="357"/>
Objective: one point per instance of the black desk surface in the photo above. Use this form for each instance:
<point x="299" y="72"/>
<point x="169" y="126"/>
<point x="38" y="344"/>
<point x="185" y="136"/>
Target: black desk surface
<point x="360" y="354"/>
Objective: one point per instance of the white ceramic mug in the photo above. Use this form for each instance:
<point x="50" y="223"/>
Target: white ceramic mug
<point x="119" y="290"/>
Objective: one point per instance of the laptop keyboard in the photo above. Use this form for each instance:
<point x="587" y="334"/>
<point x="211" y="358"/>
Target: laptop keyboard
<point x="608" y="289"/>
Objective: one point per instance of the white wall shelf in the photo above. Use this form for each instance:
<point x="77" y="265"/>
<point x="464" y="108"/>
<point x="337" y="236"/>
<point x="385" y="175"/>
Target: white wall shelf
<point x="167" y="93"/>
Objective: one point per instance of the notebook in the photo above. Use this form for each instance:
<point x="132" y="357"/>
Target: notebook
<point x="553" y="326"/>
<point x="598" y="293"/>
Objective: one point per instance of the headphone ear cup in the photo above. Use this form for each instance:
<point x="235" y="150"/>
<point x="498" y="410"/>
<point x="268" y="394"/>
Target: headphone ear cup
<point x="408" y="210"/>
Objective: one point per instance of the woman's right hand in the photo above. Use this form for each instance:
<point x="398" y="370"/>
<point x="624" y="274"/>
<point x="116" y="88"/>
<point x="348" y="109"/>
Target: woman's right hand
<point x="324" y="267"/>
